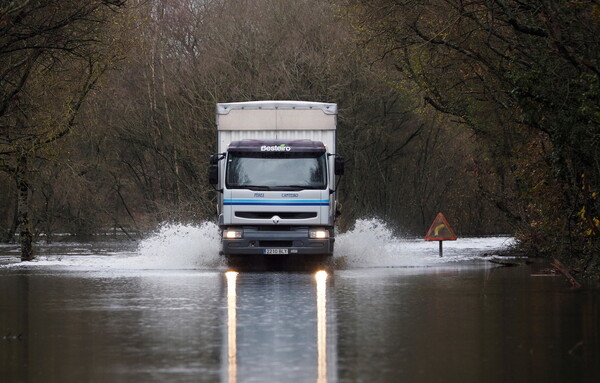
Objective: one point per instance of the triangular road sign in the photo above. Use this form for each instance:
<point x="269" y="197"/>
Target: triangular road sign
<point x="440" y="230"/>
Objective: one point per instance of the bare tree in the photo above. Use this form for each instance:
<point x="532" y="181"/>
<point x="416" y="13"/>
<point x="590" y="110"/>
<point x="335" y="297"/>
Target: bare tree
<point x="52" y="54"/>
<point x="523" y="77"/>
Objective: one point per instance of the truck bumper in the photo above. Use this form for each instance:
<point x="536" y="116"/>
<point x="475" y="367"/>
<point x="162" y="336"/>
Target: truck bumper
<point x="260" y="241"/>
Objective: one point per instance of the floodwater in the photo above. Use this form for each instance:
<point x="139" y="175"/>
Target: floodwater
<point x="386" y="310"/>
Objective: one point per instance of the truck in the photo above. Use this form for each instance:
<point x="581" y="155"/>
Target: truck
<point x="275" y="172"/>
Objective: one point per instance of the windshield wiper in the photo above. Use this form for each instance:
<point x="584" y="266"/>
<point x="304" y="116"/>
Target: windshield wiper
<point x="253" y="187"/>
<point x="299" y="187"/>
<point x="278" y="187"/>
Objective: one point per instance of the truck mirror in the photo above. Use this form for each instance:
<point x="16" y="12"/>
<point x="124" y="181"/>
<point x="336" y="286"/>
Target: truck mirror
<point x="215" y="158"/>
<point x="339" y="166"/>
<point x="213" y="174"/>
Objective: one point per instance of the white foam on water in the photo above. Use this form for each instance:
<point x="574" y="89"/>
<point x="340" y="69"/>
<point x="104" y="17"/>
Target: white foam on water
<point x="177" y="246"/>
<point x="173" y="246"/>
<point x="371" y="243"/>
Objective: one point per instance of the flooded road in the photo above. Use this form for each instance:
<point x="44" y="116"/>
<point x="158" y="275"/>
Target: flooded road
<point x="169" y="310"/>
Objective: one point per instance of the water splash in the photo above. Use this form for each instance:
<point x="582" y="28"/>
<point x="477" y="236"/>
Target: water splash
<point x="371" y="243"/>
<point x="364" y="244"/>
<point x="173" y="246"/>
<point x="177" y="246"/>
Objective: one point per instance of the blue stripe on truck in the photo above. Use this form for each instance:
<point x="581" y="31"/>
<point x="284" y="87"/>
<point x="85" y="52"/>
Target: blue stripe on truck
<point x="277" y="202"/>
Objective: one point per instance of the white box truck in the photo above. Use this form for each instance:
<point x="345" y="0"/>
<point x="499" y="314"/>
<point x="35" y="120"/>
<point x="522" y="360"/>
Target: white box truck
<point x="275" y="172"/>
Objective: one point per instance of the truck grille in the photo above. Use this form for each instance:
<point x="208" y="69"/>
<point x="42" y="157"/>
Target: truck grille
<point x="269" y="215"/>
<point x="275" y="228"/>
<point x="275" y="243"/>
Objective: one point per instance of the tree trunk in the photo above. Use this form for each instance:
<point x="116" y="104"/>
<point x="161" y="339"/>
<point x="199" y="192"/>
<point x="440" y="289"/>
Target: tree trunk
<point x="26" y="237"/>
<point x="10" y="236"/>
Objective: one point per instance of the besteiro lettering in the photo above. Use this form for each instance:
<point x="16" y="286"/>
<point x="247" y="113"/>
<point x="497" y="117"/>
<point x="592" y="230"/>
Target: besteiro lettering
<point x="275" y="148"/>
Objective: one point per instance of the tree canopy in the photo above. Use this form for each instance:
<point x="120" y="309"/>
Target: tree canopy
<point x="487" y="110"/>
<point x="523" y="76"/>
<point x="52" y="53"/>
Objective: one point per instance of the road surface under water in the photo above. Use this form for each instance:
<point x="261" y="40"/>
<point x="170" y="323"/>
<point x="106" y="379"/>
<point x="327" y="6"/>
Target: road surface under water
<point x="387" y="310"/>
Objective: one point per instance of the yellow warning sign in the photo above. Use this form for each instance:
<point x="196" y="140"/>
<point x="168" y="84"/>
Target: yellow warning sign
<point x="440" y="230"/>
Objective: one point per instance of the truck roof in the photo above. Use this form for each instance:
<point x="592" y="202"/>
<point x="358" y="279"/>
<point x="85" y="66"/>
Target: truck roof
<point x="276" y="120"/>
<point x="277" y="146"/>
<point x="327" y="108"/>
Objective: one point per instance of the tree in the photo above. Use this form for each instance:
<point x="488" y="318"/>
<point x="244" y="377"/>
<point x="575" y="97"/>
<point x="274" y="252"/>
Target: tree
<point x="523" y="76"/>
<point x="141" y="160"/>
<point x="52" y="54"/>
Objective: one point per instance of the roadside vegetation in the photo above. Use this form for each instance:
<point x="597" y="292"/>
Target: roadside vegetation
<point x="485" y="110"/>
<point x="523" y="78"/>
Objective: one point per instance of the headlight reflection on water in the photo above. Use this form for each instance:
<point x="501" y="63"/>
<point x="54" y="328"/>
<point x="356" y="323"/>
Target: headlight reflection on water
<point x="231" y="326"/>
<point x="321" y="279"/>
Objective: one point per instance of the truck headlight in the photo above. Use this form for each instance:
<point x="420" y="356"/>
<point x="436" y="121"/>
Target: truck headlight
<point x="318" y="234"/>
<point x="233" y="233"/>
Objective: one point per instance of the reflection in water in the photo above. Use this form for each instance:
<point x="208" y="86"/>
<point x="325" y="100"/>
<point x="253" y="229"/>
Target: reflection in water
<point x="231" y="326"/>
<point x="472" y="323"/>
<point x="232" y="367"/>
<point x="321" y="277"/>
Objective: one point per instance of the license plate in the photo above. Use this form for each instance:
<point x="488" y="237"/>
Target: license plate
<point x="275" y="251"/>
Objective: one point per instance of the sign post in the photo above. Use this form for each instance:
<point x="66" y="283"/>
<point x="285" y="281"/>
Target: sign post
<point x="440" y="231"/>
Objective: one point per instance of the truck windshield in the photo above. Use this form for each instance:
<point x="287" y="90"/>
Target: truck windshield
<point x="276" y="171"/>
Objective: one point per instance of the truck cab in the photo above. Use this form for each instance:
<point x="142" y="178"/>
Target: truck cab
<point x="276" y="177"/>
